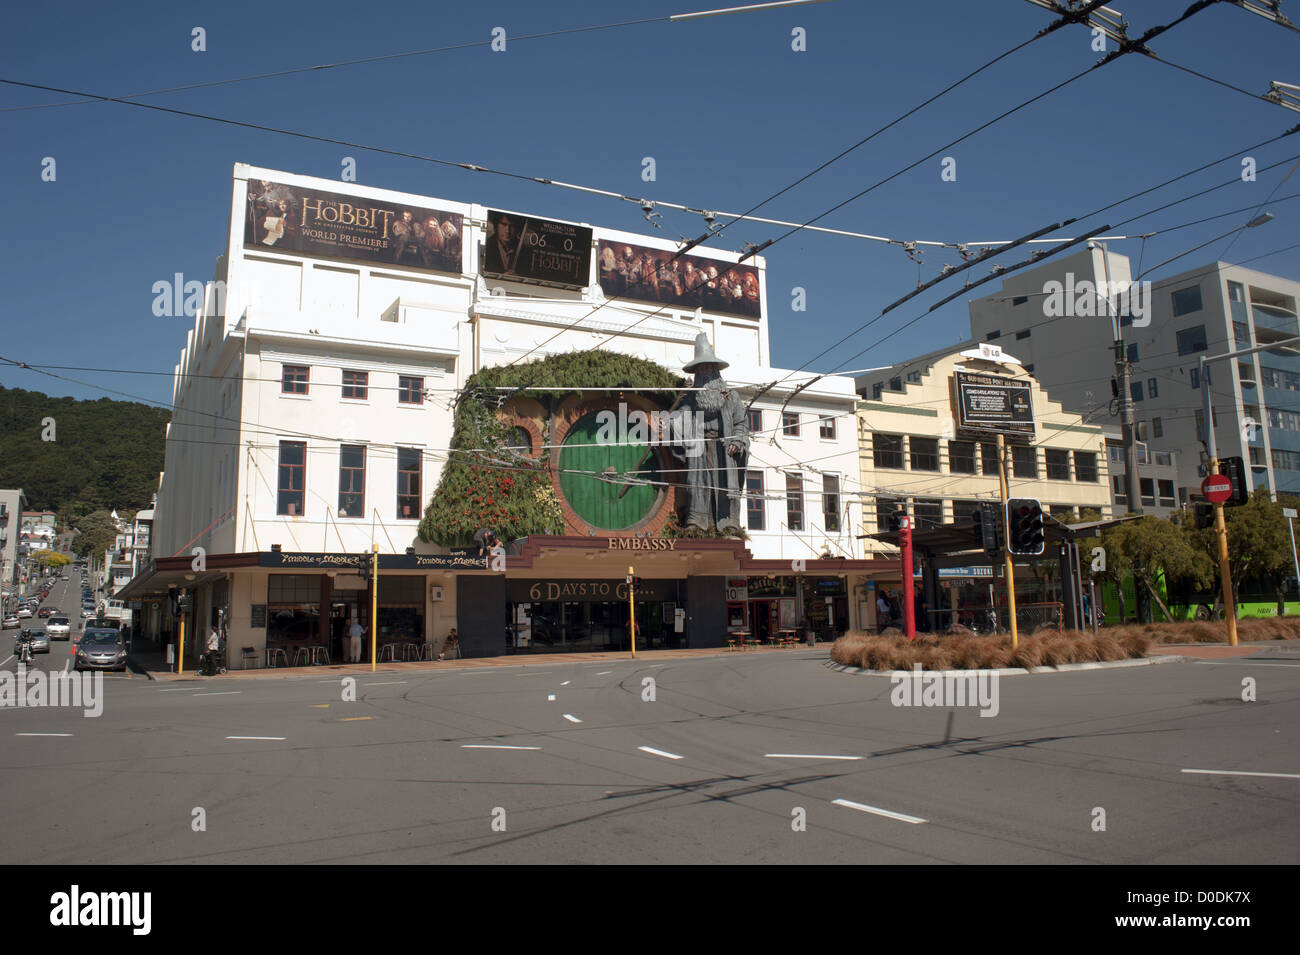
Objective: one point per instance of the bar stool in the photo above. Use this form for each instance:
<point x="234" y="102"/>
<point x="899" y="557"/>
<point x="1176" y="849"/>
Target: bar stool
<point x="276" y="653"/>
<point x="320" y="655"/>
<point x="388" y="649"/>
<point x="249" y="655"/>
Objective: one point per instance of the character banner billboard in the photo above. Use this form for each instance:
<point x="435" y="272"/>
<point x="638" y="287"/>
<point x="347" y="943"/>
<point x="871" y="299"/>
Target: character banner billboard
<point x="311" y="222"/>
<point x="691" y="281"/>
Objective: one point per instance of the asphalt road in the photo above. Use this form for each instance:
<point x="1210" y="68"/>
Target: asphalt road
<point x="718" y="768"/>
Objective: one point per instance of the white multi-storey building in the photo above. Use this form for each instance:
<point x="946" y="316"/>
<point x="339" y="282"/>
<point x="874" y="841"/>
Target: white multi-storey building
<point x="314" y="414"/>
<point x="1065" y="338"/>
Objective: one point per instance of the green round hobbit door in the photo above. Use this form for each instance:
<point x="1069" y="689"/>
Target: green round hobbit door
<point x="609" y="504"/>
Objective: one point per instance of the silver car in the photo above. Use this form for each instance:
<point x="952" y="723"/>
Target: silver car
<point x="40" y="640"/>
<point x="101" y="649"/>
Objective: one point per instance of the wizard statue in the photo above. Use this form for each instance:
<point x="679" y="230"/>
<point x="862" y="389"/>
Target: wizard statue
<point x="712" y="439"/>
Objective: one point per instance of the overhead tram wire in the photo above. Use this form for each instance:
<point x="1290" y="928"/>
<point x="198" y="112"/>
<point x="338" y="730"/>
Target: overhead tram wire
<point x="1066" y="19"/>
<point x="340" y="63"/>
<point x="1087" y="215"/>
<point x="1109" y="58"/>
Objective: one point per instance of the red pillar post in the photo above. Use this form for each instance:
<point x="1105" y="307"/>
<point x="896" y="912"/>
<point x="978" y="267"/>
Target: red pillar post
<point x="909" y="608"/>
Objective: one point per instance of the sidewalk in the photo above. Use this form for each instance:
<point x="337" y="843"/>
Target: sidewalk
<point x="146" y="658"/>
<point x="1214" y="651"/>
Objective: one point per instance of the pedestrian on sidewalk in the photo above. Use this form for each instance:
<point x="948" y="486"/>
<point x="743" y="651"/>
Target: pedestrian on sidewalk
<point x="214" y="644"/>
<point x="354" y="641"/>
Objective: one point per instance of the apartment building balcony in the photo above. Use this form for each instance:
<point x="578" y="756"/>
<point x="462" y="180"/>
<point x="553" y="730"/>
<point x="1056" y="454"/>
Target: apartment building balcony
<point x="1274" y="322"/>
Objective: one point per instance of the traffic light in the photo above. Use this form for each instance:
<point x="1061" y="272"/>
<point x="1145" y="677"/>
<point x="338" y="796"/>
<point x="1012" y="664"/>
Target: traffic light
<point x="1204" y="512"/>
<point x="991" y="532"/>
<point x="1024" y="527"/>
<point x="1234" y="469"/>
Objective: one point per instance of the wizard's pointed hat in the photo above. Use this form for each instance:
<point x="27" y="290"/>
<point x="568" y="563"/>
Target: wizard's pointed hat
<point x="704" y="355"/>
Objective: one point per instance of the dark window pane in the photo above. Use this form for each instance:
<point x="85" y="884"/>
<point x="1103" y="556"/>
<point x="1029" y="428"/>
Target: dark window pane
<point x="754" y="509"/>
<point x="1186" y="300"/>
<point x="1192" y="340"/>
<point x="794" y="502"/>
<point x="294" y="379"/>
<point x="352" y="480"/>
<point x="887" y="511"/>
<point x="292" y="474"/>
<point x="989" y="459"/>
<point x="961" y="457"/>
<point x="831" y="501"/>
<point x="925" y="453"/>
<point x="408" y="483"/>
<point x="356" y="385"/>
<point x="410" y="390"/>
<point x="1058" y="464"/>
<point x="887" y="450"/>
<point x="1085" y="465"/>
<point x="1024" y="461"/>
<point x="927" y="513"/>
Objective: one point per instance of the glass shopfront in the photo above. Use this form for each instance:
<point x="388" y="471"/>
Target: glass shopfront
<point x="292" y="609"/>
<point x="572" y="616"/>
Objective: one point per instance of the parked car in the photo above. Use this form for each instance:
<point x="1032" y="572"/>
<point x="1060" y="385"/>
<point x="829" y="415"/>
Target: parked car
<point x="24" y="611"/>
<point x="11" y="622"/>
<point x="40" y="641"/>
<point x="87" y="613"/>
<point x="59" y="628"/>
<point x="101" y="649"/>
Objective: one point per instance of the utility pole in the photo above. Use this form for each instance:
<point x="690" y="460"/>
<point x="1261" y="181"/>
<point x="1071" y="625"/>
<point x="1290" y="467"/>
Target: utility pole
<point x="1124" y="385"/>
<point x="1006" y="550"/>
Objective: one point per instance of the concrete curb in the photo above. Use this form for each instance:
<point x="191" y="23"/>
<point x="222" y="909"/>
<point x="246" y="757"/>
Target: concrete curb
<point x="1018" y="671"/>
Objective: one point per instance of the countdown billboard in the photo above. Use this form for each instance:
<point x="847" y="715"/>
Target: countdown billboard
<point x="537" y="250"/>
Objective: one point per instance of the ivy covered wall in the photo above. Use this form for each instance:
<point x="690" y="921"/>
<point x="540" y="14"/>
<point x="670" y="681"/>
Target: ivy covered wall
<point x="485" y="485"/>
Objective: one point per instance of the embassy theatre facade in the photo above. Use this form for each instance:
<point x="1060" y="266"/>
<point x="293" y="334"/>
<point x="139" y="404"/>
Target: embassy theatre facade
<point x="377" y="380"/>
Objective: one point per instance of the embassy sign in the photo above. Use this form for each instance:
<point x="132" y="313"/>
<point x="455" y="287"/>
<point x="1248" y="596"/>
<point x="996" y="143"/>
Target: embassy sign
<point x="993" y="403"/>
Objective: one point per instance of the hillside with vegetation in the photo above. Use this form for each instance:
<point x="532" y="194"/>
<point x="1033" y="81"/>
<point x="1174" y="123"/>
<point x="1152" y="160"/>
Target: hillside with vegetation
<point x="75" y="457"/>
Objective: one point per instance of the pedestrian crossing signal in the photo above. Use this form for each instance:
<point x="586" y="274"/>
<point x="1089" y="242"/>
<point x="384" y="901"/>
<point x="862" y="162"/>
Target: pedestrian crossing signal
<point x="1025" y="537"/>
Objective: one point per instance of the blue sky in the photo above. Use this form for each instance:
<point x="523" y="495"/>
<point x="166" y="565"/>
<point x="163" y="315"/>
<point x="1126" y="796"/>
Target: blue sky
<point x="727" y="109"/>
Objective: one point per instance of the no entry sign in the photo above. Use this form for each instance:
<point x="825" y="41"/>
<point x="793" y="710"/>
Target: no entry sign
<point x="1216" y="488"/>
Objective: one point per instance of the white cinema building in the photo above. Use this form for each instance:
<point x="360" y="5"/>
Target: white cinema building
<point x="313" y="414"/>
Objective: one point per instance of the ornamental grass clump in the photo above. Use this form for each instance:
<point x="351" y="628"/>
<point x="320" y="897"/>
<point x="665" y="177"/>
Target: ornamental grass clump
<point x="942" y="652"/>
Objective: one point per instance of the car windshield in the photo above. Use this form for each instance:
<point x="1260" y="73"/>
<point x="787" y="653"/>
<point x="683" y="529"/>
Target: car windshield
<point x="56" y="621"/>
<point x="100" y="637"/>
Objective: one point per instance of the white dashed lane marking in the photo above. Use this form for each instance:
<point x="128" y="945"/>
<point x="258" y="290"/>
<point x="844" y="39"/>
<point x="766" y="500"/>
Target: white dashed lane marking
<point x="571" y="718"/>
<point x="1233" y="772"/>
<point x="658" y="752"/>
<point x="877" y="811"/>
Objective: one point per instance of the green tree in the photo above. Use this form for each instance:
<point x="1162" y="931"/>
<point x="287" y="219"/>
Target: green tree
<point x="95" y="534"/>
<point x="1259" y="545"/>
